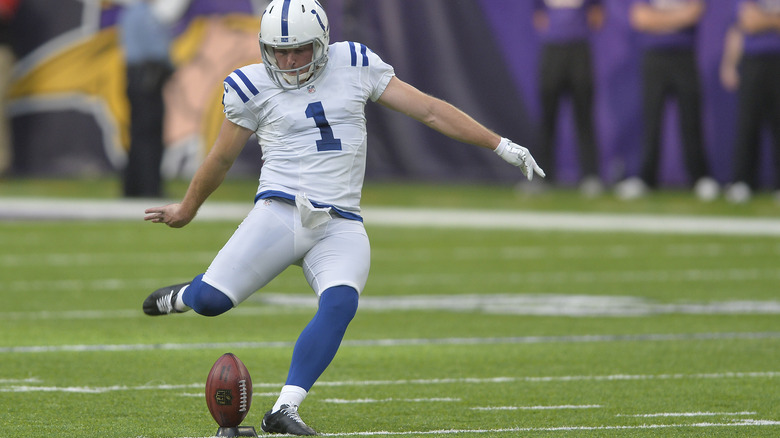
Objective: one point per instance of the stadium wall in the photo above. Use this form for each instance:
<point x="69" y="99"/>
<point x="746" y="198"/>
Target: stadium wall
<point x="69" y="113"/>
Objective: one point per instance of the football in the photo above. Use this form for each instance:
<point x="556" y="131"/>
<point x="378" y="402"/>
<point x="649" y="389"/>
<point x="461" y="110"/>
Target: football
<point x="228" y="391"/>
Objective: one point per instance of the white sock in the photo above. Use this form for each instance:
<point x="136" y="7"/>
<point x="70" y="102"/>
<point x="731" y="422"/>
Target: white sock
<point x="291" y="395"/>
<point x="179" y="304"/>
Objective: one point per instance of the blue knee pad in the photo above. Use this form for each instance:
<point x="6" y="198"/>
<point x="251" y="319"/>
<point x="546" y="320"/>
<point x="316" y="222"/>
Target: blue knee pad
<point x="339" y="303"/>
<point x="205" y="299"/>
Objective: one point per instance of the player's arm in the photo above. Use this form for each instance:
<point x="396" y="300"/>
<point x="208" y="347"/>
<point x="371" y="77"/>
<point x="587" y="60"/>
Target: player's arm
<point x="541" y="20"/>
<point x="596" y="16"/>
<point x="753" y="19"/>
<point x="729" y="63"/>
<point x="454" y="123"/>
<point x="437" y="114"/>
<point x="647" y="18"/>
<point x="209" y="176"/>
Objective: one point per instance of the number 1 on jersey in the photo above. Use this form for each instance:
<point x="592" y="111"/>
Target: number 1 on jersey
<point x="328" y="142"/>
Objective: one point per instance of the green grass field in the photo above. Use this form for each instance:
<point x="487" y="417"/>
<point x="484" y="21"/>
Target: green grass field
<point x="477" y="332"/>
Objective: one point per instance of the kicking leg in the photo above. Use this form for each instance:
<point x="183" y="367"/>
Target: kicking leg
<point x="202" y="297"/>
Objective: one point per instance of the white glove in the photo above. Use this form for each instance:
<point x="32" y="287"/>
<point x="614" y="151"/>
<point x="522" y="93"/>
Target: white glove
<point x="519" y="156"/>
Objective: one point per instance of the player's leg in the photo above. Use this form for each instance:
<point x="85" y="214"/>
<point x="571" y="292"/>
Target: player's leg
<point x="773" y="115"/>
<point x="751" y="112"/>
<point x="337" y="269"/>
<point x="179" y="298"/>
<point x="317" y="344"/>
<point x="654" y="88"/>
<point x="582" y="90"/>
<point x="315" y="349"/>
<point x="552" y="82"/>
<point x="688" y="88"/>
<point x="261" y="248"/>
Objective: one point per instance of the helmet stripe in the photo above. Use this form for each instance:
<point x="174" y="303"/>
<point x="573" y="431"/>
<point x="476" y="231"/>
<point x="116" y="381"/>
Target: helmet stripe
<point x="318" y="19"/>
<point x="285" y="20"/>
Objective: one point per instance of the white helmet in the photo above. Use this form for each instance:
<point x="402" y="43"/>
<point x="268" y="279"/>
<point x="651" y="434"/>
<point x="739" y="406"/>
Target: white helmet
<point x="289" y="24"/>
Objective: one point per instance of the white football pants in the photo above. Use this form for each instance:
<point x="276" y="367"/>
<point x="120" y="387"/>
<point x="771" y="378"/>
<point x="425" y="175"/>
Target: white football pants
<point x="271" y="238"/>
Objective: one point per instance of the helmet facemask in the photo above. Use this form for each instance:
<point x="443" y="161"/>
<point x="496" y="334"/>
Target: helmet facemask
<point x="294" y="78"/>
<point x="291" y="24"/>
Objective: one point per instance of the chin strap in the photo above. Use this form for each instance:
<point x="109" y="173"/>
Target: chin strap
<point x="299" y="78"/>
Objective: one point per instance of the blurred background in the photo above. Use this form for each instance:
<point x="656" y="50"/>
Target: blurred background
<point x="69" y="113"/>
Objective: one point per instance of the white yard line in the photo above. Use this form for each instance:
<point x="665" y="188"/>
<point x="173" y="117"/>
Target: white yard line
<point x="30" y="387"/>
<point x="534" y="408"/>
<point x="85" y="348"/>
<point x="390" y="400"/>
<point x="82" y="209"/>
<point x="535" y="304"/>
<point x="498" y="304"/>
<point x="689" y="414"/>
<point x="515" y="430"/>
<point x="598" y="222"/>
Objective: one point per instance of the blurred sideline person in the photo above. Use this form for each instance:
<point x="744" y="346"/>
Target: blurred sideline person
<point x="565" y="69"/>
<point x="667" y="31"/>
<point x="8" y="10"/>
<point x="146" y="41"/>
<point x="305" y="103"/>
<point x="751" y="66"/>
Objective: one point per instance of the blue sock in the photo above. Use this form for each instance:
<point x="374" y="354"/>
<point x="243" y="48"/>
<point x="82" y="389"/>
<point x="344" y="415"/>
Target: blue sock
<point x="319" y="341"/>
<point x="206" y="299"/>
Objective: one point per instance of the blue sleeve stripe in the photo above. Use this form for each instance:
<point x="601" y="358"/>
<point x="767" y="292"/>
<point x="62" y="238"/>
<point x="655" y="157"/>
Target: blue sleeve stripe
<point x="363" y="54"/>
<point x="353" y="53"/>
<point x="363" y="50"/>
<point x="247" y="82"/>
<point x="235" y="86"/>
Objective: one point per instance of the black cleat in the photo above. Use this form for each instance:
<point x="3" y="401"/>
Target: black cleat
<point x="161" y="301"/>
<point x="286" y="420"/>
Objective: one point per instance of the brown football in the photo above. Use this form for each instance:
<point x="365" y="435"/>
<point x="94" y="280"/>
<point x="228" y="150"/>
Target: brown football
<point x="229" y="391"/>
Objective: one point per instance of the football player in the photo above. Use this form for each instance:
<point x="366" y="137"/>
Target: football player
<point x="667" y="31"/>
<point x="305" y="103"/>
<point x="753" y="53"/>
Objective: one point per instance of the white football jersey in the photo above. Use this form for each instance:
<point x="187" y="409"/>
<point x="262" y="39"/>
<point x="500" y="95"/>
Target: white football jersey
<point x="314" y="138"/>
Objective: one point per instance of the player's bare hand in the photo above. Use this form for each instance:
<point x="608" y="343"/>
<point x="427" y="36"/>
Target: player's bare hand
<point x="171" y="215"/>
